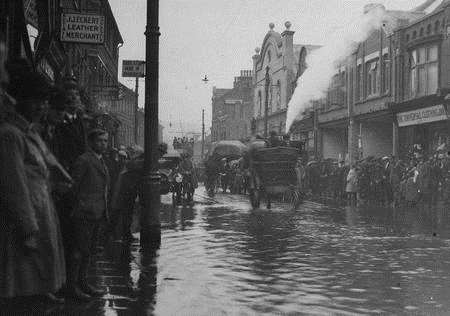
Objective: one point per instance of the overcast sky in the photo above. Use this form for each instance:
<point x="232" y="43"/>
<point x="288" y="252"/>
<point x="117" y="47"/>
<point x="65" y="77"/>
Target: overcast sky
<point x="218" y="38"/>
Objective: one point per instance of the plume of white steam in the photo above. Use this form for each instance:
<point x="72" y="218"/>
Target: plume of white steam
<point x="321" y="63"/>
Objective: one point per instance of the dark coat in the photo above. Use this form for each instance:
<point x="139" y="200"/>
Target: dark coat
<point x="91" y="184"/>
<point x="27" y="211"/>
<point x="127" y="187"/>
<point x="69" y="141"/>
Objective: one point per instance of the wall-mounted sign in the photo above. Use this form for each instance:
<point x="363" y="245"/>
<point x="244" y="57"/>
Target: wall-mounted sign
<point x="82" y="28"/>
<point x="133" y="68"/>
<point x="422" y="116"/>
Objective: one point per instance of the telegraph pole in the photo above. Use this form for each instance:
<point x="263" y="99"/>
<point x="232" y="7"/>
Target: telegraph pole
<point x="203" y="133"/>
<point x="266" y="102"/>
<point x="150" y="223"/>
<point x="136" y="109"/>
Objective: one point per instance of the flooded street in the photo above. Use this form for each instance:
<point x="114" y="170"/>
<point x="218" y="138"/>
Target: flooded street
<point x="222" y="258"/>
<point x="227" y="259"/>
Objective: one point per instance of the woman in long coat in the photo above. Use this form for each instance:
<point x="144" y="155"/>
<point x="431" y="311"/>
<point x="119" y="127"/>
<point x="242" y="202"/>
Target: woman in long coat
<point x="32" y="258"/>
<point x="351" y="187"/>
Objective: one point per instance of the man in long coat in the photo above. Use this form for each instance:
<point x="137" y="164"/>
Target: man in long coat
<point x="32" y="255"/>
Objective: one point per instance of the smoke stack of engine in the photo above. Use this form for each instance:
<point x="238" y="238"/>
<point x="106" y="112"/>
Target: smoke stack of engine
<point x="371" y="6"/>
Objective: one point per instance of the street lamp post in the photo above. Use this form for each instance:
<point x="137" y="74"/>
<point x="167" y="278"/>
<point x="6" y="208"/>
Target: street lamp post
<point x="203" y="134"/>
<point x="266" y="101"/>
<point x="150" y="223"/>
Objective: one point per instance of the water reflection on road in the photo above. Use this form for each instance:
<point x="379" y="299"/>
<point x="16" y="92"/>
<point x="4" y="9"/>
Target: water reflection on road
<point x="222" y="258"/>
<point x="226" y="258"/>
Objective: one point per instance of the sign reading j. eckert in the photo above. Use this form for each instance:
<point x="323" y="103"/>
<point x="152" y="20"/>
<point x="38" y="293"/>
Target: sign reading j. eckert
<point x="82" y="28"/>
<point x="422" y="116"/>
<point x="133" y="68"/>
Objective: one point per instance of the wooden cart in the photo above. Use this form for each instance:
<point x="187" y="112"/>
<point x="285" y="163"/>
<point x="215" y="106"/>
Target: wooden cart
<point x="273" y="172"/>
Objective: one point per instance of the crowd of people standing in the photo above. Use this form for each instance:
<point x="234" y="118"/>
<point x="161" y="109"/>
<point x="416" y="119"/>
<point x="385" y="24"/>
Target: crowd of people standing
<point x="383" y="181"/>
<point x="58" y="179"/>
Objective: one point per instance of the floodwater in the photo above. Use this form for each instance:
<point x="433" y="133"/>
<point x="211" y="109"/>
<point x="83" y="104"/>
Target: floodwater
<point x="227" y="259"/>
<point x="222" y="258"/>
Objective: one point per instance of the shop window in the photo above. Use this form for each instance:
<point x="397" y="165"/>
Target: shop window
<point x="372" y="78"/>
<point x="334" y="91"/>
<point x="436" y="27"/>
<point x="424" y="70"/>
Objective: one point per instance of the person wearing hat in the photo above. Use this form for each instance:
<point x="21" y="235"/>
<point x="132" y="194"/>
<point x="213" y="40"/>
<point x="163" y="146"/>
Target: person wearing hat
<point x="91" y="187"/>
<point x="69" y="141"/>
<point x="32" y="261"/>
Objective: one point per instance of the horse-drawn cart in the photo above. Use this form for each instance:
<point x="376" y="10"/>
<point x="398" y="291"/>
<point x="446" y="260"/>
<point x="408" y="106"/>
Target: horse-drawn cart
<point x="273" y="173"/>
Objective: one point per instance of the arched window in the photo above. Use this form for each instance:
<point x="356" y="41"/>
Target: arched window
<point x="278" y="95"/>
<point x="436" y="26"/>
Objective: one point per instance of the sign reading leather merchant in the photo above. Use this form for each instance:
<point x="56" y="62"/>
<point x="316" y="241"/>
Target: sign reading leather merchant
<point x="422" y="116"/>
<point x="82" y="28"/>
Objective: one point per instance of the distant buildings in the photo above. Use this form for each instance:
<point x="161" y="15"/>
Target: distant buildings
<point x="123" y="108"/>
<point x="232" y="109"/>
<point x="276" y="67"/>
<point x="390" y="94"/>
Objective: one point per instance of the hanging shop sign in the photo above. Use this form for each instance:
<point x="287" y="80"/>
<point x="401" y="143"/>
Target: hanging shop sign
<point x="133" y="68"/>
<point x="422" y="116"/>
<point x="82" y="28"/>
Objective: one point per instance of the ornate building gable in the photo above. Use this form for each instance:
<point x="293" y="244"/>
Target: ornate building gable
<point x="271" y="48"/>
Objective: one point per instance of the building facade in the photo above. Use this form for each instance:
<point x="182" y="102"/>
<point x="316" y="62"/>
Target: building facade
<point x="276" y="67"/>
<point x="33" y="29"/>
<point x="422" y="91"/>
<point x="392" y="93"/>
<point x="232" y="109"/>
<point x="123" y="108"/>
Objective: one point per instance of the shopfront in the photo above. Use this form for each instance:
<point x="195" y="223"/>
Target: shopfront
<point x="425" y="128"/>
